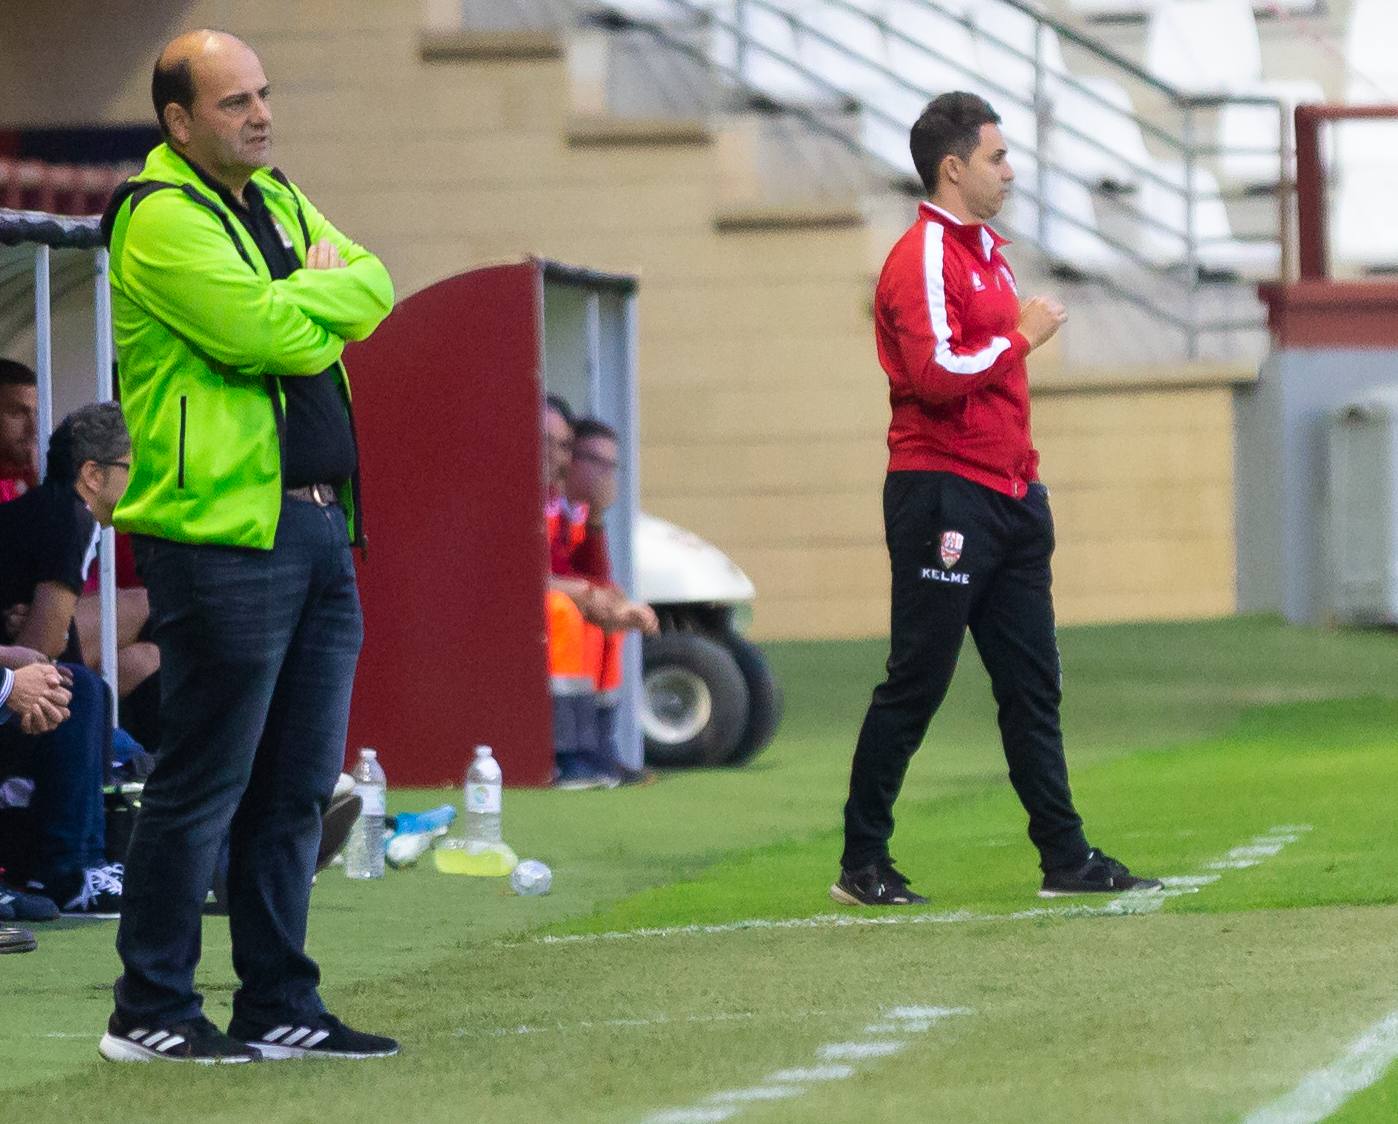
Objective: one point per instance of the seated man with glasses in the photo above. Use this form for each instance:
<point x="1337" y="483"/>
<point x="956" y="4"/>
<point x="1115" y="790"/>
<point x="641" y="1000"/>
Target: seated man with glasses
<point x="48" y="540"/>
<point x="588" y="490"/>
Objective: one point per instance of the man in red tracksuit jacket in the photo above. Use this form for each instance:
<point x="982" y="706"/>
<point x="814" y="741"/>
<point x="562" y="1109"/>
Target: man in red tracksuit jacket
<point x="968" y="525"/>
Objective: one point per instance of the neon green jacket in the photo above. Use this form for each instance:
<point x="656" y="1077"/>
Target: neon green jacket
<point x="203" y="336"/>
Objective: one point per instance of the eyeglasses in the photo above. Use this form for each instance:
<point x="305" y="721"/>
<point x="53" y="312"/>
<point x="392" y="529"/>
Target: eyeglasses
<point x="115" y="464"/>
<point x="599" y="461"/>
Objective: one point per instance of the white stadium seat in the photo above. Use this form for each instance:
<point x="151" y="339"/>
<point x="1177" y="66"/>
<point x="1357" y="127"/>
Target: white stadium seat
<point x="1071" y="238"/>
<point x="1215" y="247"/>
<point x="772" y="40"/>
<point x="1363" y="234"/>
<point x="1371" y="51"/>
<point x="1258" y="127"/>
<point x="1106" y="145"/>
<point x="1093" y="8"/>
<point x="1021" y="131"/>
<point x="1005" y="48"/>
<point x="1118" y="9"/>
<point x="884" y="131"/>
<point x="913" y="28"/>
<point x="848" y="50"/>
<point x="1204" y="46"/>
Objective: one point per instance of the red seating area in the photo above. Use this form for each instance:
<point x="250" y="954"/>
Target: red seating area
<point x="62" y="189"/>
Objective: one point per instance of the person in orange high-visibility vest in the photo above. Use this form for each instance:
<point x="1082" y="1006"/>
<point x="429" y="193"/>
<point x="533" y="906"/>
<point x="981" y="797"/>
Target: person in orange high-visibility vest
<point x="587" y="615"/>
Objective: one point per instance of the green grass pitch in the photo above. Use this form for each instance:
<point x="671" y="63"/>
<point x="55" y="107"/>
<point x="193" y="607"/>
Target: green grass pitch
<point x="688" y="965"/>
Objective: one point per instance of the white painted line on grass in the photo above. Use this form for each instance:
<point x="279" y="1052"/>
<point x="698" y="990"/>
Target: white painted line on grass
<point x="845" y="920"/>
<point x="1323" y="1091"/>
<point x="757" y="1094"/>
<point x="812" y="1074"/>
<point x="788" y="1084"/>
<point x="631" y="1023"/>
<point x="1131" y="903"/>
<point x="858" y="1051"/>
<point x="1189" y="881"/>
<point x="925" y="1013"/>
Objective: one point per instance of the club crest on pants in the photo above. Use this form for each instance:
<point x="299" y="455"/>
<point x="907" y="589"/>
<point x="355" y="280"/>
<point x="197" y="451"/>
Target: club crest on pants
<point x="950" y="550"/>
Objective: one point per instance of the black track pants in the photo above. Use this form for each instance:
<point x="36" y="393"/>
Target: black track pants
<point x="966" y="556"/>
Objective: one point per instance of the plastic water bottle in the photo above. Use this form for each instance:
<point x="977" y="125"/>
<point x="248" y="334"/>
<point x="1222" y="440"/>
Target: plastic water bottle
<point x="482" y="853"/>
<point x="483" y="801"/>
<point x="364" y="852"/>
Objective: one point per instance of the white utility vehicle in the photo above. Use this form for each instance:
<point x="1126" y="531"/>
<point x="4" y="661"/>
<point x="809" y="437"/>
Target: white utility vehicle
<point x="709" y="696"/>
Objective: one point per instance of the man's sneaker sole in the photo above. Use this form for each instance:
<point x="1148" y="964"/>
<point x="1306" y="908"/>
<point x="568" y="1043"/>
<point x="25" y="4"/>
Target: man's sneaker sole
<point x="844" y="897"/>
<point x="1098" y="893"/>
<point x="16" y="940"/>
<point x="286" y="1043"/>
<point x="118" y="1049"/>
<point x="587" y="784"/>
<point x="273" y="1053"/>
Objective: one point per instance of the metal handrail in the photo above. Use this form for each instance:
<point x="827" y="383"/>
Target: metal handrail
<point x="1187" y="144"/>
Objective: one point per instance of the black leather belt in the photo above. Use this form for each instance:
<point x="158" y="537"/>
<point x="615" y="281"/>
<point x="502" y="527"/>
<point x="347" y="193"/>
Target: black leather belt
<point x="322" y="495"/>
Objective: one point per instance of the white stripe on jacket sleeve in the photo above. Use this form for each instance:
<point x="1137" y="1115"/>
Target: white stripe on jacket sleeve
<point x="974" y="363"/>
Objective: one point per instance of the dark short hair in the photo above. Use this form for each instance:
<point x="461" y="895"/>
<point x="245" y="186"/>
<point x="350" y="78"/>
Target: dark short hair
<point x="949" y="126"/>
<point x="92" y="433"/>
<point x="173" y="82"/>
<point x="561" y="408"/>
<point x="592" y="427"/>
<point x="15" y="373"/>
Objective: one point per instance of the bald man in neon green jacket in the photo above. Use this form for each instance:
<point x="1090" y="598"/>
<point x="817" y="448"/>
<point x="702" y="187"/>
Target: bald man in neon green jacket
<point x="232" y="301"/>
<point x="206" y="336"/>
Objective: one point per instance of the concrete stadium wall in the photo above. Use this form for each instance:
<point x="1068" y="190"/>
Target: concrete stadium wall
<point x="763" y="409"/>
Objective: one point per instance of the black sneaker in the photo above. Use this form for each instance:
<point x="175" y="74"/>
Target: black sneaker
<point x="322" y="1037"/>
<point x="15" y="905"/>
<point x="879" y="883"/>
<point x="88" y="893"/>
<point x="196" y="1040"/>
<point x="16" y="940"/>
<point x="335" y="825"/>
<point x="1101" y="874"/>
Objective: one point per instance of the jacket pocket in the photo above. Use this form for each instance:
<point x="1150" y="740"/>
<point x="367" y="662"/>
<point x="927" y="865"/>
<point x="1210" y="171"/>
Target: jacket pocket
<point x="184" y="418"/>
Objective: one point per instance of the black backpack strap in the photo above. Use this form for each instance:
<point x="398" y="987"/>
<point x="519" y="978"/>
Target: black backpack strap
<point x="280" y="177"/>
<point x="138" y="190"/>
<point x="135" y="190"/>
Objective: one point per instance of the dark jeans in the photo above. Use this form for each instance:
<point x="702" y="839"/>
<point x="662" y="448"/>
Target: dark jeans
<point x="68" y="767"/>
<point x="998" y="585"/>
<point x="257" y="652"/>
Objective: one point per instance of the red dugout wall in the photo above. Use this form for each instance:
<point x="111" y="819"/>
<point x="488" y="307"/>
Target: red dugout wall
<point x="447" y="403"/>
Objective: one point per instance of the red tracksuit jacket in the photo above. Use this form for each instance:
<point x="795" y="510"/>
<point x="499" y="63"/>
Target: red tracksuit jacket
<point x="945" y="318"/>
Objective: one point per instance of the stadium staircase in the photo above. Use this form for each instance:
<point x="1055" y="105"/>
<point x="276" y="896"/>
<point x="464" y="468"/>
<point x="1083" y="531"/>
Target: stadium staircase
<point x="1152" y="205"/>
<point x="758" y="223"/>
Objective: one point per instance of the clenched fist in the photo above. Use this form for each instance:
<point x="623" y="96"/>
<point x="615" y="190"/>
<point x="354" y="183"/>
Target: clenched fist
<point x="1040" y="318"/>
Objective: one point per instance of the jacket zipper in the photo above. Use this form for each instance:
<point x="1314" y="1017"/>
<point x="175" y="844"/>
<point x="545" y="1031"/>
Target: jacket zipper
<point x="279" y="417"/>
<point x="361" y="540"/>
<point x="184" y="411"/>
